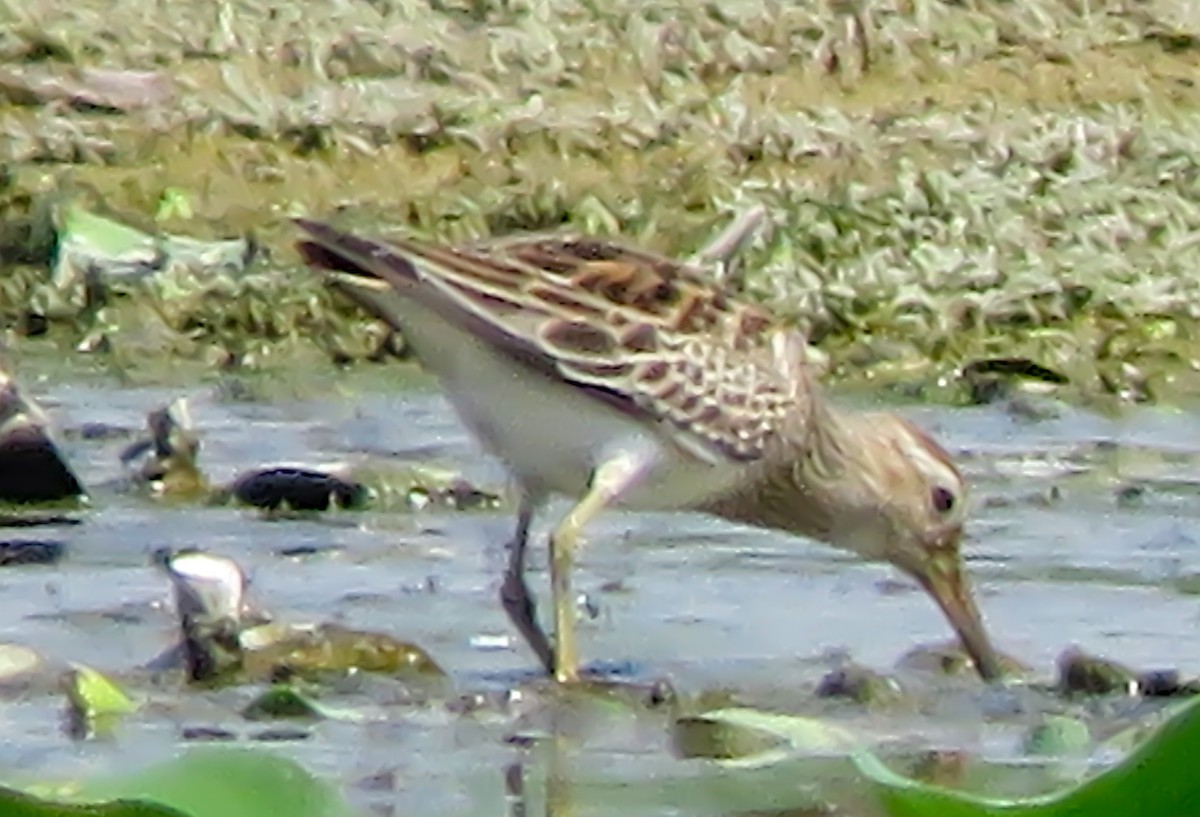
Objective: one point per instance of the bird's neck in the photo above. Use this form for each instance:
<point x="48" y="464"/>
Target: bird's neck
<point x="794" y="487"/>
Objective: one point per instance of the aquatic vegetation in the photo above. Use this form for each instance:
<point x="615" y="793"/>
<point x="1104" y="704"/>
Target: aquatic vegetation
<point x="224" y="639"/>
<point x="165" y="459"/>
<point x="758" y="759"/>
<point x="222" y="782"/>
<point x="1151" y="780"/>
<point x="947" y="182"/>
<point x="94" y="703"/>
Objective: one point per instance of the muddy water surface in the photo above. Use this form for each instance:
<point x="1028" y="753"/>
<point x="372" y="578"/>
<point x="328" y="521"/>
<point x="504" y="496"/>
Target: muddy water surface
<point x="1075" y="540"/>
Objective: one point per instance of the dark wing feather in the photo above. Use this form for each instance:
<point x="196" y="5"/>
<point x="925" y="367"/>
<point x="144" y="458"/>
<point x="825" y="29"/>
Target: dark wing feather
<point x="648" y="333"/>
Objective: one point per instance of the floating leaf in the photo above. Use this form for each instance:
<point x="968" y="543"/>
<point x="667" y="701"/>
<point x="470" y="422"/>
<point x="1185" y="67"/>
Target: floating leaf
<point x="96" y="704"/>
<point x="1155" y="779"/>
<point x="92" y="695"/>
<point x="208" y="782"/>
<point x="736" y="727"/>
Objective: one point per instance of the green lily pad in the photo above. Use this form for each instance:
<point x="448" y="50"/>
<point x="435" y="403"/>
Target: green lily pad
<point x="747" y="737"/>
<point x="207" y="782"/>
<point x="1155" y="779"/>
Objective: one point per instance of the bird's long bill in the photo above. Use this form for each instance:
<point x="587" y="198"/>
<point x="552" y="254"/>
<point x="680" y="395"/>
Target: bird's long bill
<point x="944" y="580"/>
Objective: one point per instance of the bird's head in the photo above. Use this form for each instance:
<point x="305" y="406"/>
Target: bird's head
<point x="892" y="493"/>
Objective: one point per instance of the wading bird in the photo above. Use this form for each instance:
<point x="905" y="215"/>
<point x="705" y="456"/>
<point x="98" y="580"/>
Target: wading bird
<point x="623" y="378"/>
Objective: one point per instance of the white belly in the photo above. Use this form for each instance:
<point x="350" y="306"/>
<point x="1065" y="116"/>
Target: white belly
<point x="550" y="435"/>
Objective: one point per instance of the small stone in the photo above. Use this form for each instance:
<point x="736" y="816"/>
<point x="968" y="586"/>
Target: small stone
<point x="1080" y="673"/>
<point x="860" y="685"/>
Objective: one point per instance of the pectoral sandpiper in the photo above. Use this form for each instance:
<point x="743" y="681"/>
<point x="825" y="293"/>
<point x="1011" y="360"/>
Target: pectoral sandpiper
<point x="624" y="378"/>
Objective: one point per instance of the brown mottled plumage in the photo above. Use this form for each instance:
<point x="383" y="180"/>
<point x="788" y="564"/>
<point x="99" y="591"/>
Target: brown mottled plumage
<point x="626" y="378"/>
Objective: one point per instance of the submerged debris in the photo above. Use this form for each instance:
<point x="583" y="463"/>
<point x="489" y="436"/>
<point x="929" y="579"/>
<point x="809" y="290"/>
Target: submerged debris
<point x="1082" y="674"/>
<point x="699" y="736"/>
<point x="317" y="651"/>
<point x="941" y="767"/>
<point x="166" y="460"/>
<point x="1057" y="736"/>
<point x="860" y="685"/>
<point x="209" y="603"/>
<point x="30" y="552"/>
<point x="281" y="701"/>
<point x="948" y="658"/>
<point x="457" y="494"/>
<point x="224" y="639"/>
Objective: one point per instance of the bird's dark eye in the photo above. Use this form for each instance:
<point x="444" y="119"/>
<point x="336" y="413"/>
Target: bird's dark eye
<point x="943" y="500"/>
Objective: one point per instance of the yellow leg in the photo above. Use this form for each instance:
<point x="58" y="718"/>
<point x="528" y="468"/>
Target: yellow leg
<point x="562" y="547"/>
<point x="609" y="481"/>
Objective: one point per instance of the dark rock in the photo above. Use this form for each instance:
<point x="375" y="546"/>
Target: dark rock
<point x="1080" y="673"/>
<point x="32" y="469"/>
<point x="300" y="489"/>
<point x="30" y="552"/>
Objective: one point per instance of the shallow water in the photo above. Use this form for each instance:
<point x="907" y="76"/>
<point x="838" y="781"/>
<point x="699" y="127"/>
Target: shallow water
<point x="677" y="596"/>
